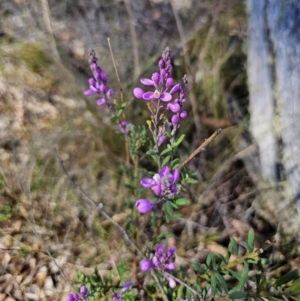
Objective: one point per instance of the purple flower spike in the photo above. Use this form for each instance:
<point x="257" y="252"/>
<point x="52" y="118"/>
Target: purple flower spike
<point x="146" y="265"/>
<point x="138" y="93"/>
<point x="144" y="206"/>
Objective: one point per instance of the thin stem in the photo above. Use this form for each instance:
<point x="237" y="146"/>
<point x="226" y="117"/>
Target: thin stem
<point x="99" y="208"/>
<point x="121" y="96"/>
<point x="200" y="148"/>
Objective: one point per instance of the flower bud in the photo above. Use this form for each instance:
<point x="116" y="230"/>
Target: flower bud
<point x="146" y="265"/>
<point x="169" y="82"/>
<point x="174" y="119"/>
<point x="144" y="206"/>
<point x="183" y="114"/>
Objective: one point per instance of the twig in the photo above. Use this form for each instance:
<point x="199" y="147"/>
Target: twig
<point x="200" y="148"/>
<point x="121" y="96"/>
<point x="106" y="216"/>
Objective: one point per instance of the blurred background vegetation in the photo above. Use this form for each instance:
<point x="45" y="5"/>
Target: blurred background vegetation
<point x="44" y="69"/>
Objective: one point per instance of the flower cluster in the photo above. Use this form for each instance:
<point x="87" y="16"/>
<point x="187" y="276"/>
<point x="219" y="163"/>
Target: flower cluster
<point x="118" y="295"/>
<point x="163" y="260"/>
<point x="164" y="90"/>
<point x="162" y="184"/>
<point x="98" y="83"/>
<point x="84" y="293"/>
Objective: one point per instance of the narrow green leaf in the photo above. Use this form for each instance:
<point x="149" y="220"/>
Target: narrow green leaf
<point x="242" y="280"/>
<point x="167" y="150"/>
<point x="191" y="181"/>
<point x="181" y="201"/>
<point x="287" y="277"/>
<point x="175" y="163"/>
<point x="235" y="274"/>
<point x="233" y="247"/>
<point x="246" y="246"/>
<point x="166" y="161"/>
<point x="250" y="237"/>
<point x="276" y="299"/>
<point x="210" y="259"/>
<point x="222" y="282"/>
<point x="154" y="158"/>
<point x="213" y="284"/>
<point x="151" y="152"/>
<point x="238" y="295"/>
<point x="179" y="140"/>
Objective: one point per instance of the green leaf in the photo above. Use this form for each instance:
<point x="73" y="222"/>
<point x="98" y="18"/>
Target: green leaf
<point x="168" y="211"/>
<point x="175" y="163"/>
<point x="246" y="246"/>
<point x="154" y="158"/>
<point x="197" y="268"/>
<point x="235" y="274"/>
<point x="166" y="161"/>
<point x="151" y="152"/>
<point x="181" y="201"/>
<point x="233" y="247"/>
<point x="167" y="150"/>
<point x="287" y="277"/>
<point x="295" y="287"/>
<point x="242" y="280"/>
<point x="276" y="299"/>
<point x="210" y="259"/>
<point x="238" y="295"/>
<point x="179" y="140"/>
<point x="213" y="284"/>
<point x="190" y="181"/>
<point x="222" y="282"/>
<point x="250" y="237"/>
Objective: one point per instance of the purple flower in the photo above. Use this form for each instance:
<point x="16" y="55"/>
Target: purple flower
<point x="73" y="297"/>
<point x="163" y="183"/>
<point x="123" y="127"/>
<point x="126" y="286"/>
<point x="164" y="96"/>
<point x="144" y="206"/>
<point x="138" y="93"/>
<point x="146" y="265"/>
<point x="84" y="292"/>
<point x="118" y="295"/>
